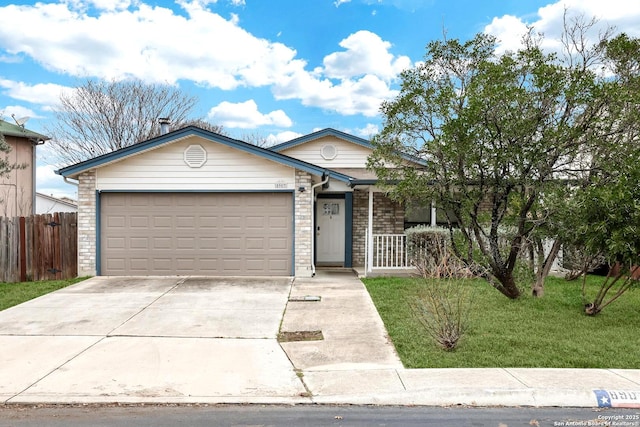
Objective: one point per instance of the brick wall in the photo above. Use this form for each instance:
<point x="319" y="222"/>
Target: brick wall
<point x="303" y="225"/>
<point x="388" y="218"/>
<point x="87" y="224"/>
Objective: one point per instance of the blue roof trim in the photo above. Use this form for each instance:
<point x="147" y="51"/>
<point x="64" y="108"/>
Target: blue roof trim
<point x="338" y="134"/>
<point x="211" y="136"/>
<point x="319" y="134"/>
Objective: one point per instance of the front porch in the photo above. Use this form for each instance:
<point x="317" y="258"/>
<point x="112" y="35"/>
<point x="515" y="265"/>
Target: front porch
<point x="363" y="229"/>
<point x="387" y="255"/>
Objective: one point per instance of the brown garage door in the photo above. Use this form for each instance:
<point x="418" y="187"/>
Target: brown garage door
<point x="196" y="234"/>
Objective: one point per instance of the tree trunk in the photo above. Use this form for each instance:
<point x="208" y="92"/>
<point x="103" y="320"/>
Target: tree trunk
<point x="508" y="286"/>
<point x="537" y="289"/>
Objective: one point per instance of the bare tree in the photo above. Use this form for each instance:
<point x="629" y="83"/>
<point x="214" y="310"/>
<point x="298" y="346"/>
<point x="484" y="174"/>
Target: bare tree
<point x="203" y="124"/>
<point x="99" y="117"/>
<point x="257" y="139"/>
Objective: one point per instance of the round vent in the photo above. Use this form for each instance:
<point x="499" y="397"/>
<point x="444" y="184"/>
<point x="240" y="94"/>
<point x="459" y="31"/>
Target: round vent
<point x="329" y="152"/>
<point x="195" y="156"/>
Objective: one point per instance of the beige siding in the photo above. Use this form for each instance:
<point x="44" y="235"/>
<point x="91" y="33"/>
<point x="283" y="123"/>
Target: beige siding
<point x="165" y="169"/>
<point x="17" y="188"/>
<point x="349" y="155"/>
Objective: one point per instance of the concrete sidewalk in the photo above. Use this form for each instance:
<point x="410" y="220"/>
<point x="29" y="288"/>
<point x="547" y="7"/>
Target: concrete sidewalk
<point x="357" y="364"/>
<point x="214" y="340"/>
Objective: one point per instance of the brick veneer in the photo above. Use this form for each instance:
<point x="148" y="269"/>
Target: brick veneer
<point x="87" y="224"/>
<point x="303" y="225"/>
<point x="388" y="218"/>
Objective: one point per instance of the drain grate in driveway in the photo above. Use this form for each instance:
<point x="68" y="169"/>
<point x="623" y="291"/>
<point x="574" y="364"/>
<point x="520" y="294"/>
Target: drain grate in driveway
<point x="292" y="336"/>
<point x="306" y="298"/>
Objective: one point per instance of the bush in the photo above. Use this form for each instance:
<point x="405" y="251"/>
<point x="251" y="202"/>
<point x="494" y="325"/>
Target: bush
<point x="442" y="307"/>
<point x="430" y="252"/>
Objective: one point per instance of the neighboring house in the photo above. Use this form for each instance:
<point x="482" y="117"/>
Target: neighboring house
<point x="18" y="188"/>
<point x="49" y="204"/>
<point x="193" y="202"/>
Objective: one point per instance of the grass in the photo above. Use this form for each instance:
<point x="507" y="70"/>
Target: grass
<point x="550" y="332"/>
<point x="16" y="293"/>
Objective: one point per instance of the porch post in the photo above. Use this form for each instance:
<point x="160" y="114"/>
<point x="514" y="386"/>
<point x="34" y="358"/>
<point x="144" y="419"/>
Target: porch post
<point x="369" y="262"/>
<point x="433" y="213"/>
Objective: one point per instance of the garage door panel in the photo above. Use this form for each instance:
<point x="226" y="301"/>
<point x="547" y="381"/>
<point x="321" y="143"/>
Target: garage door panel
<point x="138" y="221"/>
<point x="196" y="233"/>
<point x="279" y="222"/>
<point x="277" y="243"/>
<point x="116" y="243"/>
<point x="139" y="243"/>
<point x="208" y="243"/>
<point x="255" y="222"/>
<point x="255" y="243"/>
<point x="208" y="222"/>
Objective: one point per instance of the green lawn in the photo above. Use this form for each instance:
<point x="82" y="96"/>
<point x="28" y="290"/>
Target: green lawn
<point x="551" y="332"/>
<point x="16" y="293"/>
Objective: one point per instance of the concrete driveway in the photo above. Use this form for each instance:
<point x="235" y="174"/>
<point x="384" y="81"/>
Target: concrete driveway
<point x="166" y="339"/>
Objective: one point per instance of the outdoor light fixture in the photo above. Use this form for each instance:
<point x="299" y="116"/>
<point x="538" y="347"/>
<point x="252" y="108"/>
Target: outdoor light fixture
<point x="302" y="189"/>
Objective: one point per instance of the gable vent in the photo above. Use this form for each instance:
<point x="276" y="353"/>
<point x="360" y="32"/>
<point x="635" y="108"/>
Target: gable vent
<point x="329" y="152"/>
<point x="195" y="156"/>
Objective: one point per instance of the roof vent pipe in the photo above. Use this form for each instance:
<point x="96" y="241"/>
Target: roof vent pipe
<point x="164" y="125"/>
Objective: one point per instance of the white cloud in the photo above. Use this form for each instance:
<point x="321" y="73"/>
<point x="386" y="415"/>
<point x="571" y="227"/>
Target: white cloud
<point x="152" y="43"/>
<point x="17" y="110"/>
<point x="245" y="115"/>
<point x="282" y="137"/>
<point x="354" y="81"/>
<point x="349" y="97"/>
<point x="109" y="5"/>
<point x="337" y="3"/>
<point x="366" y="53"/>
<point x="368" y="131"/>
<point x="43" y="94"/>
<point x="621" y="14"/>
<point x="157" y="45"/>
<point x="509" y="31"/>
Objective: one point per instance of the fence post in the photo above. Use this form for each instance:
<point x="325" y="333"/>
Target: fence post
<point x="23" y="250"/>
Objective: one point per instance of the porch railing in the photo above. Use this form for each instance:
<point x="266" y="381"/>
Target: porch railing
<point x="389" y="252"/>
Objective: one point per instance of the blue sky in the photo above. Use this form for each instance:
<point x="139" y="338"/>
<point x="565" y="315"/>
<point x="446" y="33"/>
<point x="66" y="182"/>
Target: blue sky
<point x="270" y="68"/>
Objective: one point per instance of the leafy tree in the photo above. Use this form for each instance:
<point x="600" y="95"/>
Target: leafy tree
<point x="99" y="117"/>
<point x="602" y="215"/>
<point x="496" y="133"/>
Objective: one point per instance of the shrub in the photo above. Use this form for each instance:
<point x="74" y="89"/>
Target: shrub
<point x="442" y="307"/>
<point x="430" y="252"/>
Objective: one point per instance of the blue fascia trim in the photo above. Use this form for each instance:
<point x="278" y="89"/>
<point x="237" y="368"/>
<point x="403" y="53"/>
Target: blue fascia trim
<point x="288" y="190"/>
<point x="98" y="236"/>
<point x="348" y="230"/>
<point x="320" y="134"/>
<point x="195" y="131"/>
<point x="293" y="238"/>
<point x="363" y="182"/>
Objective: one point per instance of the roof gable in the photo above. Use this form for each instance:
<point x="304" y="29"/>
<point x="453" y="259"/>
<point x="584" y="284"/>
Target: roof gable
<point x="338" y="134"/>
<point x="171" y="137"/>
<point x="321" y="134"/>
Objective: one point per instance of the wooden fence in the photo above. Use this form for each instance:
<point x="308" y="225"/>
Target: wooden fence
<point x="39" y="247"/>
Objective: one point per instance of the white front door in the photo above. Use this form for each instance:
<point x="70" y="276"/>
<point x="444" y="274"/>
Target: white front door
<point x="330" y="223"/>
